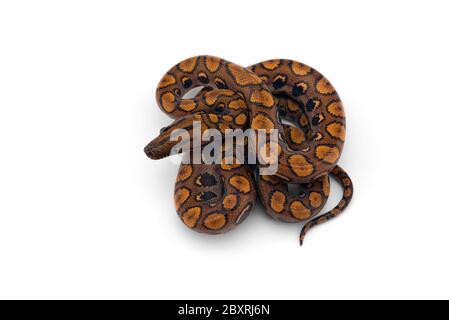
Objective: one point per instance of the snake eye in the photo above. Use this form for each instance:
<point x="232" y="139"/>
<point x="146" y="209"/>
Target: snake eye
<point x="163" y="130"/>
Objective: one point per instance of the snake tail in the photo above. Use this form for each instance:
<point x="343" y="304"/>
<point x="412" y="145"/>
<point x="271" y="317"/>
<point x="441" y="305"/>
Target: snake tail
<point x="345" y="181"/>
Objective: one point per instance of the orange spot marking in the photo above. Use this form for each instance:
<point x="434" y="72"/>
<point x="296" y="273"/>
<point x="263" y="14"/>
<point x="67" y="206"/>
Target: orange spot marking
<point x="271" y="64"/>
<point x="241" y="119"/>
<point x="300" y="165"/>
<point x="242" y="76"/>
<point x="212" y="96"/>
<point x="168" y="102"/>
<point x="303" y="120"/>
<point x="277" y="201"/>
<point x="296" y="135"/>
<point x="263" y="98"/>
<point x="181" y="196"/>
<point x="336" y="130"/>
<point x="327" y="154"/>
<point x="299" y="211"/>
<point x="237" y="104"/>
<point x="321" y="220"/>
<point x="215" y="221"/>
<point x="348" y="192"/>
<point x="229" y="164"/>
<point x="323" y="86"/>
<point x="223" y="127"/>
<point x="166" y="81"/>
<point x="269" y="152"/>
<point x="260" y="122"/>
<point x="213" y="117"/>
<point x="241" y="183"/>
<point x="227" y="118"/>
<point x="230" y="201"/>
<point x="315" y="199"/>
<point x="336" y="109"/>
<point x="300" y="69"/>
<point x="188" y="65"/>
<point x="292" y="105"/>
<point x="212" y="63"/>
<point x="187" y="105"/>
<point x="191" y="216"/>
<point x="185" y="171"/>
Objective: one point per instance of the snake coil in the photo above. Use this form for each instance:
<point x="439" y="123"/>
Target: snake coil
<point x="279" y="94"/>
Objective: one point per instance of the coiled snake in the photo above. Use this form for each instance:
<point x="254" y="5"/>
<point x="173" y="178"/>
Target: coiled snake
<point x="214" y="198"/>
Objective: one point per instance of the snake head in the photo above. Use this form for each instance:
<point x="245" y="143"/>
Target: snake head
<point x="220" y="110"/>
<point x="179" y="131"/>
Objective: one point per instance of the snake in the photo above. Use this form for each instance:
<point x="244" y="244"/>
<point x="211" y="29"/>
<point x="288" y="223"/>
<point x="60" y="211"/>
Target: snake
<point x="309" y="198"/>
<point x="311" y="108"/>
<point x="210" y="198"/>
<point x="215" y="198"/>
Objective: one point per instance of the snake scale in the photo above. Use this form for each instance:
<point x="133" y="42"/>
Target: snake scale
<point x="214" y="198"/>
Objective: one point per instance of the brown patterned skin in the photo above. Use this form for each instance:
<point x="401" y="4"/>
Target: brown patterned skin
<point x="214" y="198"/>
<point x="219" y="109"/>
<point x="278" y="202"/>
<point x="309" y="198"/>
<point x="301" y="83"/>
<point x="342" y="177"/>
<point x="247" y="97"/>
<point x="210" y="198"/>
<point x="309" y="92"/>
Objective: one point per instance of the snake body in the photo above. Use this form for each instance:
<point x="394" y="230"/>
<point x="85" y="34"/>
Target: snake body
<point x="215" y="198"/>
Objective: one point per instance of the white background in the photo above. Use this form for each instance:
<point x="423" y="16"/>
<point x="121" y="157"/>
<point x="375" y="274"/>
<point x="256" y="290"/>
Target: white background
<point x="84" y="213"/>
